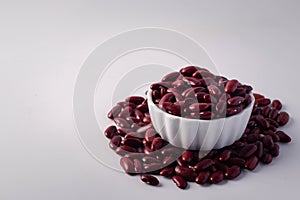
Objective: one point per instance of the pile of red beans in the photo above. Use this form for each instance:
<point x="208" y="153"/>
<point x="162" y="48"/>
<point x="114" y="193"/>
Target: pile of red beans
<point x="143" y="152"/>
<point x="196" y="93"/>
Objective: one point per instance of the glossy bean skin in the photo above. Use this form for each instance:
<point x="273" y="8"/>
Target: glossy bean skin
<point x="233" y="172"/>
<point x="179" y="181"/>
<point x="225" y="155"/>
<point x="217" y="177"/>
<point x="115" y="142"/>
<point x="263" y="101"/>
<point x="157" y="143"/>
<point x="236" y="161"/>
<point x="267" y="158"/>
<point x="132" y="142"/>
<point x="167" y="172"/>
<point x="231" y="86"/>
<point x="283" y="137"/>
<point x="277" y="104"/>
<point x="251" y="163"/>
<point x="185" y="172"/>
<point x="248" y="150"/>
<point x="202" y="177"/>
<point x="187" y="156"/>
<point x="283" y="118"/>
<point x="110" y="131"/>
<point x="149" y="179"/>
<point x="235" y="101"/>
<point x="204" y="164"/>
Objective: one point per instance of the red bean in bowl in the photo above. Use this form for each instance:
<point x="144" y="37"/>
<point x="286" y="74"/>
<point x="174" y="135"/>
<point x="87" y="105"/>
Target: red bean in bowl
<point x="213" y="96"/>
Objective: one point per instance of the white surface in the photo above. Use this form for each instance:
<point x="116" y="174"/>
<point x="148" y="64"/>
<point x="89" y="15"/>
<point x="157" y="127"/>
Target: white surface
<point x="195" y="134"/>
<point x="43" y="45"/>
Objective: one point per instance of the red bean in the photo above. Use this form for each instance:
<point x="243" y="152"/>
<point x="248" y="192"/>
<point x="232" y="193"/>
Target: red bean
<point x="247" y="150"/>
<point x="283" y="137"/>
<point x="138" y="114"/>
<point x="234" y="110"/>
<point x="258" y="96"/>
<point x="199" y="106"/>
<point x="157" y="143"/>
<point x="188" y="71"/>
<point x="150" y="135"/>
<point x="225" y="155"/>
<point x="180" y="162"/>
<point x="203" y="177"/>
<point x="110" y="131"/>
<point x="122" y="150"/>
<point x="263" y="101"/>
<point x="167" y="172"/>
<point x="203" y="164"/>
<point x="132" y="142"/>
<point x="233" y="172"/>
<point x="122" y="123"/>
<point x="147" y="120"/>
<point x="266" y="158"/>
<point x="268" y="141"/>
<point x="143" y="107"/>
<point x="221" y="166"/>
<point x="252" y="138"/>
<point x="169" y="97"/>
<point x="272" y="134"/>
<point x="127" y="165"/>
<point x="260" y="149"/>
<point x="134" y="135"/>
<point x="265" y="111"/>
<point x="275" y="150"/>
<point x="209" y="98"/>
<point x="277" y="104"/>
<point x="122" y="132"/>
<point x="176" y="93"/>
<point x="114" y="112"/>
<point x="149" y="179"/>
<point x="156" y="94"/>
<point x="273" y="113"/>
<point x="115" y="142"/>
<point x="170" y="77"/>
<point x="185" y="172"/>
<point x="235" y="101"/>
<point x="262" y="121"/>
<point x="240" y="91"/>
<point x="158" y="85"/>
<point x="231" y="86"/>
<point x="283" y="118"/>
<point x="236" y="161"/>
<point x="172" y="108"/>
<point x="251" y="163"/>
<point x="135" y="99"/>
<point x="179" y="181"/>
<point x="187" y="156"/>
<point x="217" y="177"/>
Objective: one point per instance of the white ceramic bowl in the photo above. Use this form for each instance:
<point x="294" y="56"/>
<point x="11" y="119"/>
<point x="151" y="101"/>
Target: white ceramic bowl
<point x="195" y="134"/>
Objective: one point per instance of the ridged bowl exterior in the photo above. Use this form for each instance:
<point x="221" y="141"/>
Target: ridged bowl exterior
<point x="197" y="134"/>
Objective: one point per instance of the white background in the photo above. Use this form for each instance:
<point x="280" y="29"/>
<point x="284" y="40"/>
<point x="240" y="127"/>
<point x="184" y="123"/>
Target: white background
<point x="43" y="45"/>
